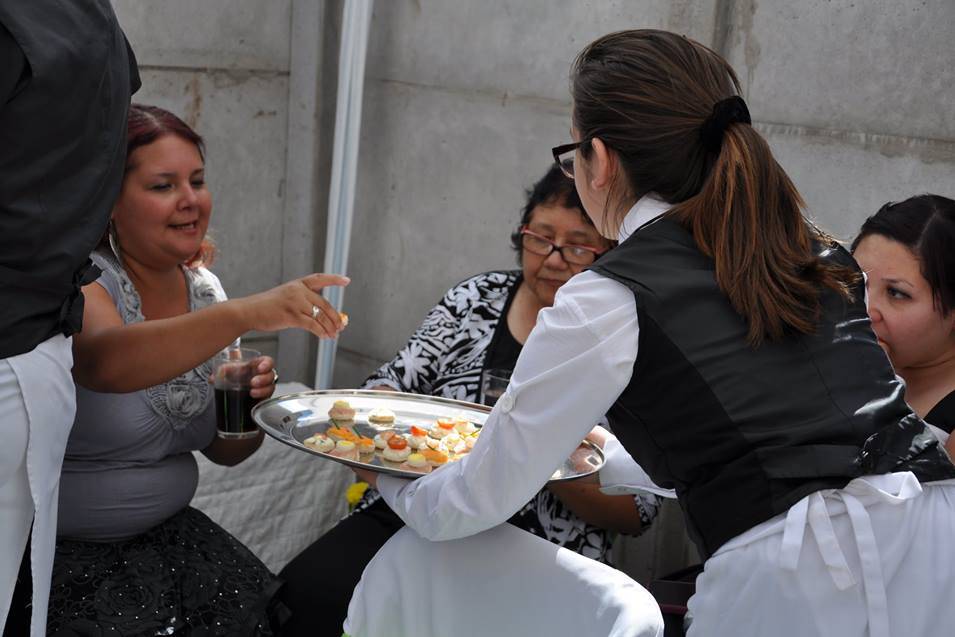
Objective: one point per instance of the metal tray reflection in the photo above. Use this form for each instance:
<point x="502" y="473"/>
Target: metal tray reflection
<point x="292" y="418"/>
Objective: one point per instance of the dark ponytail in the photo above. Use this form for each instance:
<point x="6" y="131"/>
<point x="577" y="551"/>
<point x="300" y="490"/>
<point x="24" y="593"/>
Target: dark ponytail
<point x="650" y="97"/>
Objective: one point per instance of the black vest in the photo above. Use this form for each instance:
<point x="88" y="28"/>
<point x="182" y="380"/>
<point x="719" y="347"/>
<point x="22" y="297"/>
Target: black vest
<point x="740" y="433"/>
<point x="62" y="156"/>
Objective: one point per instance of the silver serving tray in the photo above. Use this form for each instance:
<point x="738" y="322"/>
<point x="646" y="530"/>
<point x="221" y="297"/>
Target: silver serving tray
<point x="292" y="418"/>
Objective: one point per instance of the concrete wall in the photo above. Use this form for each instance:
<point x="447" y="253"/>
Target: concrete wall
<point x="463" y="102"/>
<point x="854" y="98"/>
<point x="245" y="74"/>
<point x="465" y="99"/>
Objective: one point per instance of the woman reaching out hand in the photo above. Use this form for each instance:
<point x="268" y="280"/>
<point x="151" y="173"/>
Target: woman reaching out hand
<point x="132" y="556"/>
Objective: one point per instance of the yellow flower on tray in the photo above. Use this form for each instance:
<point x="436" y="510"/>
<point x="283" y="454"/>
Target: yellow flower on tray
<point x="354" y="492"/>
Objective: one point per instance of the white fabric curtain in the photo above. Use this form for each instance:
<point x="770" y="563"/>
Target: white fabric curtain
<point x="356" y="23"/>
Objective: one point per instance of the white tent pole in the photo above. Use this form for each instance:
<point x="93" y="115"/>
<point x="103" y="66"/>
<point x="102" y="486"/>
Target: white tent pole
<point x="356" y="24"/>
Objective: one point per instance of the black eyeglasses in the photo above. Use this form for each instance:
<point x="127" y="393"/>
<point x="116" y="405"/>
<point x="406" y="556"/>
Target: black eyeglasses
<point x="564" y="157"/>
<point x="542" y="246"/>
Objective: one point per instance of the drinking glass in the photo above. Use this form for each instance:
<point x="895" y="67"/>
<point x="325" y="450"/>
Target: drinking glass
<point x="232" y="380"/>
<point x="493" y="384"/>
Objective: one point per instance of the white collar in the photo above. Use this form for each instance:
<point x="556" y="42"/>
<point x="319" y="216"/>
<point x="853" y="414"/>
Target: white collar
<point x="647" y="209"/>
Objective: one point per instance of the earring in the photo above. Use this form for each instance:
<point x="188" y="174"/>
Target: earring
<point x="113" y="241"/>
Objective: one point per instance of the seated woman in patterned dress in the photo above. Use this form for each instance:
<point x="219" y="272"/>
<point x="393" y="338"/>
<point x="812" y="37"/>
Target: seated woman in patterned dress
<point x="480" y="324"/>
<point x="132" y="558"/>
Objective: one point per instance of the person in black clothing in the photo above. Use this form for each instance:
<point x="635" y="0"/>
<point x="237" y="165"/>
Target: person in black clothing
<point x="66" y="77"/>
<point x="907" y="251"/>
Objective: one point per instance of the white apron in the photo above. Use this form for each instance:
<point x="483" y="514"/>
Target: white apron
<point x="37" y="406"/>
<point x="871" y="560"/>
<point x="504" y="582"/>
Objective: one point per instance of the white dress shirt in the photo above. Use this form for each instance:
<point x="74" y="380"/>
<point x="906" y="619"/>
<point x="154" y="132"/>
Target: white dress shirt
<point x="578" y="359"/>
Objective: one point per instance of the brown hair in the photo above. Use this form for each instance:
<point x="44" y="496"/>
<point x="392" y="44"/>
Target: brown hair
<point x="647" y="94"/>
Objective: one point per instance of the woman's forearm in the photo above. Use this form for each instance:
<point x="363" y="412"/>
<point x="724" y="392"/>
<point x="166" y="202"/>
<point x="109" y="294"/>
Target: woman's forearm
<point x="611" y="512"/>
<point x="110" y="356"/>
<point x="126" y="358"/>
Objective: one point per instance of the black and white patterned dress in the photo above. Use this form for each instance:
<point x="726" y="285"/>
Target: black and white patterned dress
<point x="445" y="357"/>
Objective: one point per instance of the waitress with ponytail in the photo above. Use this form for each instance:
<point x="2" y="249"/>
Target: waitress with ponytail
<point x="727" y="340"/>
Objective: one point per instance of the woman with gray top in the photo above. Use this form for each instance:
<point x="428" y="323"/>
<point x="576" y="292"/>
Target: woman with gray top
<point x="132" y="556"/>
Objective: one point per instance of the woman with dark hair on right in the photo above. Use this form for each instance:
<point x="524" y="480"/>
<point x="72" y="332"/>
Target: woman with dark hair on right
<point x="726" y="338"/>
<point x="907" y="251"/>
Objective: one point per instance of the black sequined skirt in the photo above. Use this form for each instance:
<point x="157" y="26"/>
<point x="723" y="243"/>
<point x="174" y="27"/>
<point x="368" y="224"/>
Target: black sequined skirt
<point x="187" y="576"/>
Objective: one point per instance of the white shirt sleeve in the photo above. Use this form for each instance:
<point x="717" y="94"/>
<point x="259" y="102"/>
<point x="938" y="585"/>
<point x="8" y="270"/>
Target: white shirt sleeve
<point x="578" y="359"/>
<point x="621" y="475"/>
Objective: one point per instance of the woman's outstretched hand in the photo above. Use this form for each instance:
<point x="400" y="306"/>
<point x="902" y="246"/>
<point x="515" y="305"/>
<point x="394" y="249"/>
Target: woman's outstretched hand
<point x="298" y="303"/>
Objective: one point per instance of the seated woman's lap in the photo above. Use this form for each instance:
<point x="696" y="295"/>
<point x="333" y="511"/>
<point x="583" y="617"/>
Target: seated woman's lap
<point x="319" y="582"/>
<point x="187" y="575"/>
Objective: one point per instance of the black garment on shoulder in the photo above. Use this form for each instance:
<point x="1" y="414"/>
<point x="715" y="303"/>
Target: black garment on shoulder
<point x="14" y="66"/>
<point x="504" y="349"/>
<point x="942" y="414"/>
<point x="62" y="158"/>
<point x="740" y="433"/>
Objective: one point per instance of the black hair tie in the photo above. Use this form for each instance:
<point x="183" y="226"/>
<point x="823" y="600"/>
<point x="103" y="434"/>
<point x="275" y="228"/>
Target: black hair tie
<point x="725" y="112"/>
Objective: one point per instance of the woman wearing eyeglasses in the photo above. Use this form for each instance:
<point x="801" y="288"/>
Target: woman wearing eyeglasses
<point x="480" y="324"/>
<point x="726" y="338"/>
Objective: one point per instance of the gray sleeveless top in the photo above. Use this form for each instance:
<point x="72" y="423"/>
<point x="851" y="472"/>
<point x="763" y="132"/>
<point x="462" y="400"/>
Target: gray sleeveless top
<point x="129" y="463"/>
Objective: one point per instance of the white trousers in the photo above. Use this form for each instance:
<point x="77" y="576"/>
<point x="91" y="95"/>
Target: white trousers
<point x="871" y="560"/>
<point x="503" y="582"/>
<point x="37" y="405"/>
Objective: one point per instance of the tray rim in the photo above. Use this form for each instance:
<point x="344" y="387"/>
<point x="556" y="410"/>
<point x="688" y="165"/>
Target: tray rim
<point x="289" y="440"/>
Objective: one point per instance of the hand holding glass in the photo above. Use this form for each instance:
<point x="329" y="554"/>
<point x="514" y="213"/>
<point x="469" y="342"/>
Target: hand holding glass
<point x="232" y="380"/>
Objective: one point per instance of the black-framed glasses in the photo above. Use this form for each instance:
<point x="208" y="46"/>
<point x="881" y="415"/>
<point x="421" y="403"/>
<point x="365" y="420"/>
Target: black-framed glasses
<point x="542" y="246"/>
<point x="564" y="156"/>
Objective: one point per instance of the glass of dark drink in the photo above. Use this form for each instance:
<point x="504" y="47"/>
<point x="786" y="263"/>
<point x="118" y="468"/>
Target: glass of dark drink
<point x="232" y="380"/>
<point x="493" y="385"/>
